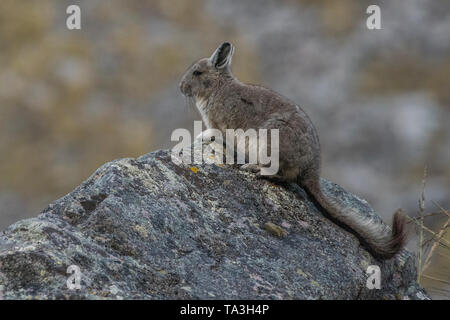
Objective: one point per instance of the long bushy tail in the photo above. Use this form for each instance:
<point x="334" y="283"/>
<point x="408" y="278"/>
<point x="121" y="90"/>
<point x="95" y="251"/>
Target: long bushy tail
<point x="384" y="241"/>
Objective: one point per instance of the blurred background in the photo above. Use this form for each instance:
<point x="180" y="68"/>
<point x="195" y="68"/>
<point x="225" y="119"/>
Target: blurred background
<point x="71" y="100"/>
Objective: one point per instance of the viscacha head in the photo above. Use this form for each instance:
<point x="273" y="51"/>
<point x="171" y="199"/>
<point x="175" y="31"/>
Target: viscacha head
<point x="205" y="76"/>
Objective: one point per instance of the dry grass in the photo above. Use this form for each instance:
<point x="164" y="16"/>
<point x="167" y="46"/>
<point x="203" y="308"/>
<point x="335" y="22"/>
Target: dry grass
<point x="434" y="245"/>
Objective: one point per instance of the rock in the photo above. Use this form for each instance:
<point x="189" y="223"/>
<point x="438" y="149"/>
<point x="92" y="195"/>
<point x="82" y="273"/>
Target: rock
<point x="148" y="228"/>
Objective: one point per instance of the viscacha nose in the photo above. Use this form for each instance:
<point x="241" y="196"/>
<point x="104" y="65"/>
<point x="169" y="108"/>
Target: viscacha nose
<point x="185" y="88"/>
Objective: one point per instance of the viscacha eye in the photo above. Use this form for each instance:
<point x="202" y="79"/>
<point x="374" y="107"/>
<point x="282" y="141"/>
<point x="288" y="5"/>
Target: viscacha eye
<point x="197" y="73"/>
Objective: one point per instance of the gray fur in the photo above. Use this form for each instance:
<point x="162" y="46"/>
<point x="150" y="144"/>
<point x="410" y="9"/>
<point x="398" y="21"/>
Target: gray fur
<point x="226" y="103"/>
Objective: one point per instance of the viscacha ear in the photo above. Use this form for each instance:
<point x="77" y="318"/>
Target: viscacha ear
<point x="222" y="56"/>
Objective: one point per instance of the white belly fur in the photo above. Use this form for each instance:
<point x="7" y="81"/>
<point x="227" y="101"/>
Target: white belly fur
<point x="201" y="105"/>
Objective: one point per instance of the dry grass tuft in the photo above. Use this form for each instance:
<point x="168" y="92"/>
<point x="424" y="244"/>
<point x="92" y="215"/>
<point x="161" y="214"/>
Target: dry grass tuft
<point x="434" y="268"/>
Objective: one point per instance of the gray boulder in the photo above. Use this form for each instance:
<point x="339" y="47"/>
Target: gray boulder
<point x="148" y="228"/>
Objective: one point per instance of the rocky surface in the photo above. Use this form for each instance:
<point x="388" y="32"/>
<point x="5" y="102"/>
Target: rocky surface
<point x="148" y="228"/>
